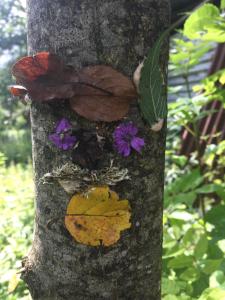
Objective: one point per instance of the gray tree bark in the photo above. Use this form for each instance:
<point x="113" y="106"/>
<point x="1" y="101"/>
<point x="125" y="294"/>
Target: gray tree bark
<point x="87" y="32"/>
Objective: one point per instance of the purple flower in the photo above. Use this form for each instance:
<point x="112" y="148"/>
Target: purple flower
<point x="62" y="137"/>
<point x="125" y="138"/>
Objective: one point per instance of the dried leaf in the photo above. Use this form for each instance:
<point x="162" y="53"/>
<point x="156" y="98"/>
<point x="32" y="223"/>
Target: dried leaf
<point x="30" y="68"/>
<point x="45" y="77"/>
<point x="97" y="217"/>
<point x="105" y="96"/>
<point x="100" y="108"/>
<point x="98" y="93"/>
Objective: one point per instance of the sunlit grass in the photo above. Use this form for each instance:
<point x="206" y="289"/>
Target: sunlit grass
<point x="16" y="225"/>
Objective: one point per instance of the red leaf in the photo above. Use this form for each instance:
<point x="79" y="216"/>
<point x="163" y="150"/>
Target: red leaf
<point x="30" y="68"/>
<point x="17" y="90"/>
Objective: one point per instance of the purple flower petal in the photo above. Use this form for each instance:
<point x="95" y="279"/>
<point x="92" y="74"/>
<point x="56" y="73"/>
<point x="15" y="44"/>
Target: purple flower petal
<point x="55" y="138"/>
<point x="62" y="139"/>
<point x="126" y="151"/>
<point x="125" y="137"/>
<point x="63" y="125"/>
<point x="125" y="131"/>
<point x="123" y="148"/>
<point x="68" y="142"/>
<point x="131" y="129"/>
<point x="137" y="144"/>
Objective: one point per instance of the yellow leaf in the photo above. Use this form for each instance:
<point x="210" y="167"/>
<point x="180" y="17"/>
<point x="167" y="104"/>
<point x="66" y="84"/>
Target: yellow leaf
<point x="97" y="217"/>
<point x="198" y="88"/>
<point x="13" y="282"/>
<point x="222" y="79"/>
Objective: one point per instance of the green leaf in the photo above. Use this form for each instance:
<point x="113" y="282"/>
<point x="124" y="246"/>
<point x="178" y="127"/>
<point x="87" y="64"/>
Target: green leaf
<point x="216" y="216"/>
<point x="186" y="198"/>
<point x="191" y="274"/>
<point x="210" y="265"/>
<point x="174" y="251"/>
<point x="169" y="287"/>
<point x="170" y="297"/>
<point x="208" y="188"/>
<point x="221" y="245"/>
<point x="213" y="294"/>
<point x="206" y="24"/>
<point x="152" y="85"/>
<point x="201" y="247"/>
<point x="217" y="279"/>
<point x="181" y="215"/>
<point x="187" y="182"/>
<point x="180" y="262"/>
<point x="222" y="4"/>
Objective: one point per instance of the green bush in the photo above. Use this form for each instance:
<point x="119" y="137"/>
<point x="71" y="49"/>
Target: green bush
<point x="16" y="226"/>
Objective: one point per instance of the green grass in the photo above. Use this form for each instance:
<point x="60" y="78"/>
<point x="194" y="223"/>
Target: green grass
<point x="16" y="226"/>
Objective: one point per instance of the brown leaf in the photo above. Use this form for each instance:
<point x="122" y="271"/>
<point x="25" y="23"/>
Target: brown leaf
<point x="103" y="94"/>
<point x="98" y="93"/>
<point x="45" y="77"/>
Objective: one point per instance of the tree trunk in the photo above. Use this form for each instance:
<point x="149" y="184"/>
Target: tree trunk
<point x="86" y="32"/>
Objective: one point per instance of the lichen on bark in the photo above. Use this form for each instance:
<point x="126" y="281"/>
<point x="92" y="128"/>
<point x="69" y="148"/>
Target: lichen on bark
<point x="87" y="32"/>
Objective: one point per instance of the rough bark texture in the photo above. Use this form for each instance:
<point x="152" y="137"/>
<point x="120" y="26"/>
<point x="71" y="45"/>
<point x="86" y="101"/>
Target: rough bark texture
<point x="85" y="32"/>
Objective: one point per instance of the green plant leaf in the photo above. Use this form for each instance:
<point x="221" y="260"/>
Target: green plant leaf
<point x="169" y="287"/>
<point x="187" y="182"/>
<point x="180" y="262"/>
<point x="181" y="215"/>
<point x="206" y="24"/>
<point x="213" y="294"/>
<point x="152" y="90"/>
<point x="201" y="247"/>
<point x="210" y="265"/>
<point x="216" y="216"/>
<point x="170" y="297"/>
<point x="186" y="198"/>
<point x="208" y="188"/>
<point x="191" y="274"/>
<point x="217" y="279"/>
<point x="222" y="4"/>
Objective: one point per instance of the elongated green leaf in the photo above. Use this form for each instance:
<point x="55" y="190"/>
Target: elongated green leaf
<point x="152" y="86"/>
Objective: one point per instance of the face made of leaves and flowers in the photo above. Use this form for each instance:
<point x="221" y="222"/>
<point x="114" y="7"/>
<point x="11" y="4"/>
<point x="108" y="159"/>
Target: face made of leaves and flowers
<point x="63" y="138"/>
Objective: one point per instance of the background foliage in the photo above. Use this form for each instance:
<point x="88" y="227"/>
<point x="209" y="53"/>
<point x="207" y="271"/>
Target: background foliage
<point x="194" y="215"/>
<point x="14" y="117"/>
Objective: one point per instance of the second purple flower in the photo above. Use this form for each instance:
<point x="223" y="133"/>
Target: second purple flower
<point x="63" y="138"/>
<point x="125" y="139"/>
